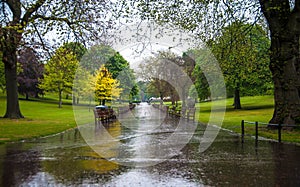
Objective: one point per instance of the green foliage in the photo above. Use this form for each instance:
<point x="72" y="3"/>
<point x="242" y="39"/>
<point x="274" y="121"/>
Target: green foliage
<point x="201" y="84"/>
<point x="120" y="70"/>
<point x="60" y="72"/>
<point x="242" y="52"/>
<point x="96" y="56"/>
<point x="81" y="85"/>
<point x="76" y="48"/>
<point x="128" y="84"/>
<point x="116" y="64"/>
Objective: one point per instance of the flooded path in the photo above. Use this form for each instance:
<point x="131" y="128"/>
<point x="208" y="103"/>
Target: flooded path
<point x="135" y="153"/>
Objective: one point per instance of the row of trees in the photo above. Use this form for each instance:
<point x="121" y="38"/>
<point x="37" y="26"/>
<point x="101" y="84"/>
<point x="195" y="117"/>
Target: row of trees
<point x="106" y="80"/>
<point x="243" y="59"/>
<point x="23" y="21"/>
<point x="281" y="17"/>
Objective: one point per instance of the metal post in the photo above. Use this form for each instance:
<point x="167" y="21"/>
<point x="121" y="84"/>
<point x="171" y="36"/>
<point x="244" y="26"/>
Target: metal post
<point x="243" y="130"/>
<point x="279" y="133"/>
<point x="256" y="130"/>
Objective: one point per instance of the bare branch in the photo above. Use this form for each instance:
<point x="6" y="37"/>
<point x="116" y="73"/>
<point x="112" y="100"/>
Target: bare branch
<point x="31" y="10"/>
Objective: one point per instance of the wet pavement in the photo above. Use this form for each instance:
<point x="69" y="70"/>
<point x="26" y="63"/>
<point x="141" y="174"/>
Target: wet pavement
<point x="133" y="152"/>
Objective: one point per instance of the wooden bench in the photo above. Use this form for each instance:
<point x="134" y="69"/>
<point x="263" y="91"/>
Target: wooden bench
<point x="190" y="114"/>
<point x="186" y="113"/>
<point x="104" y="115"/>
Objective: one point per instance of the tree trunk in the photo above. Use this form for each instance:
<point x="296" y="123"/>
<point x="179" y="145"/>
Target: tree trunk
<point x="237" y="99"/>
<point x="27" y="96"/>
<point x="285" y="70"/>
<point x="12" y="104"/>
<point x="73" y="100"/>
<point x="59" y="98"/>
<point x="284" y="24"/>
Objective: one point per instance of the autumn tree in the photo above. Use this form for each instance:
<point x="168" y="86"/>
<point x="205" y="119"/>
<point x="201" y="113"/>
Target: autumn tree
<point x="105" y="87"/>
<point x="60" y="72"/>
<point x="30" y="21"/>
<point x="31" y="73"/>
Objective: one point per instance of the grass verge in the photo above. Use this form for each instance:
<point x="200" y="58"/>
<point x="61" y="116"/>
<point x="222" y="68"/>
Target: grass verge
<point x="42" y="118"/>
<point x="255" y="108"/>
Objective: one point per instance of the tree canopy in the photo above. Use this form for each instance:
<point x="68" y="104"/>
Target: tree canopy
<point x="32" y="22"/>
<point x="120" y="70"/>
<point x="60" y="72"/>
<point x="243" y="57"/>
<point x="206" y="19"/>
<point x="31" y="73"/>
<point x="106" y="88"/>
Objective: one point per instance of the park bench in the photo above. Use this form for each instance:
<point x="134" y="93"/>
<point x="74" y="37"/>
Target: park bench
<point x="104" y="115"/>
<point x="173" y="111"/>
<point x="185" y="113"/>
<point x="190" y="114"/>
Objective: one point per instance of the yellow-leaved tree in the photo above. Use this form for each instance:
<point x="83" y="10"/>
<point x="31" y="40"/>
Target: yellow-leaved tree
<point x="106" y="88"/>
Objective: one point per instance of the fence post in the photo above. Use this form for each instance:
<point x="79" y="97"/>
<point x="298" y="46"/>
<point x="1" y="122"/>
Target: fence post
<point x="279" y="133"/>
<point x="243" y="130"/>
<point x="256" y="130"/>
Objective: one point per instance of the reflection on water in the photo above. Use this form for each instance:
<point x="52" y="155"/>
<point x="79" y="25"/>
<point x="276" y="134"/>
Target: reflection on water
<point x="66" y="160"/>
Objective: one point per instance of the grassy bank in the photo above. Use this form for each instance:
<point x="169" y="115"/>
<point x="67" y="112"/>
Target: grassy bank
<point x="257" y="108"/>
<point x="42" y="117"/>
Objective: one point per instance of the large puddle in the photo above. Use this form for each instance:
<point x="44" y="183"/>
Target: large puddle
<point x="67" y="160"/>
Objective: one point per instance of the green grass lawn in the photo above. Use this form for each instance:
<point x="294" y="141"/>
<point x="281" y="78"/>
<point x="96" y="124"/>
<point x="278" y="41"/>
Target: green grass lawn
<point x="256" y="108"/>
<point x="42" y="117"/>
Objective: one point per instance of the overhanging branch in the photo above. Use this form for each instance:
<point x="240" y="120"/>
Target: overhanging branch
<point x="31" y="10"/>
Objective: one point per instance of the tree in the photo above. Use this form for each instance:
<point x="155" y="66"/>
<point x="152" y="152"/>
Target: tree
<point x="105" y="87"/>
<point x="120" y="70"/>
<point x="78" y="50"/>
<point x="116" y="64"/>
<point x="243" y="58"/>
<point x="60" y="72"/>
<point x="31" y="73"/>
<point x="28" y="21"/>
<point x="201" y="84"/>
<point x="282" y="17"/>
<point x="151" y="71"/>
<point x="96" y="56"/>
<point x="164" y="71"/>
<point x="81" y="85"/>
<point x="207" y="18"/>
